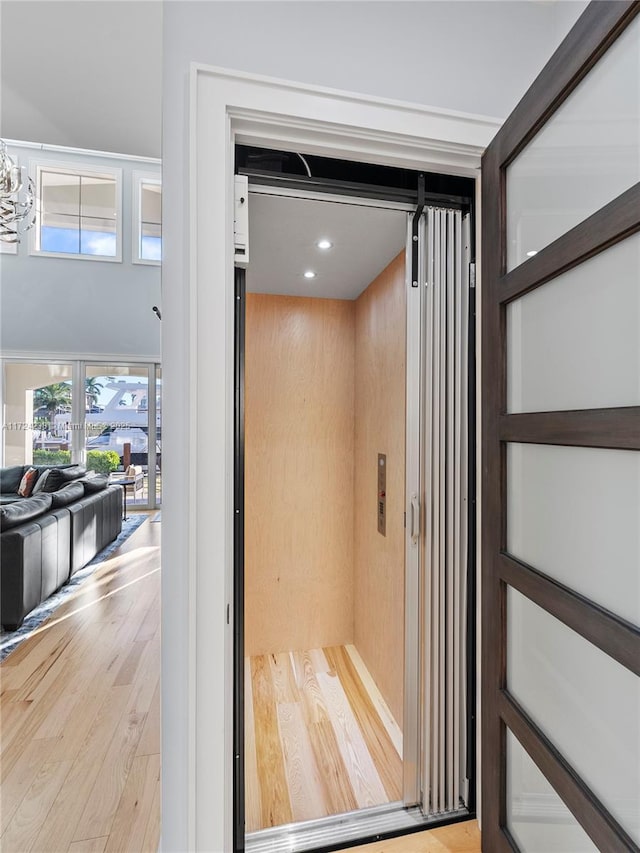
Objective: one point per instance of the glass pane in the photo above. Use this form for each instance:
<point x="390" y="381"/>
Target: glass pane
<point x="117" y="422"/>
<point x="598" y="364"/>
<point x="59" y="193"/>
<point x="98" y="198"/>
<point x="574" y="513"/>
<point x="37" y="413"/>
<point x="60" y="232"/>
<point x="584" y="156"/>
<point x="151" y="230"/>
<point x="98" y="237"/>
<point x="537" y="818"/>
<point x="151" y="248"/>
<point x="586" y="703"/>
<point x="151" y="203"/>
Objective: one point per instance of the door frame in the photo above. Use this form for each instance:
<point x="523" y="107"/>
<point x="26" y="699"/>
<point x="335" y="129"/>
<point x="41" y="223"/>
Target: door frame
<point x="593" y="34"/>
<point x="226" y="108"/>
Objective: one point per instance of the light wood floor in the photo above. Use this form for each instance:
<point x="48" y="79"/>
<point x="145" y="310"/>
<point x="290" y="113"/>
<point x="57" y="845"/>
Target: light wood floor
<point x="457" y="838"/>
<point x="319" y="738"/>
<point x="80" y="716"/>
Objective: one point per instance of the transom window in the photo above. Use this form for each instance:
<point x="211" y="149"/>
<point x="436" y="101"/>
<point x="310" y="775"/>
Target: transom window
<point x="147" y="218"/>
<point x="78" y="212"/>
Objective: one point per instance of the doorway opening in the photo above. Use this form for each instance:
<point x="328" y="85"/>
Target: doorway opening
<point x="352" y="692"/>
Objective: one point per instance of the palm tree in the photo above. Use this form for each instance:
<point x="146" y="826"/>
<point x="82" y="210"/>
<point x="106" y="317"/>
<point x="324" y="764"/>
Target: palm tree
<point x="92" y="389"/>
<point x="53" y="398"/>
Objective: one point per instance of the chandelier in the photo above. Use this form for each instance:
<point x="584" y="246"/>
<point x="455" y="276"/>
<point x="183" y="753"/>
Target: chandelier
<point x="17" y="199"/>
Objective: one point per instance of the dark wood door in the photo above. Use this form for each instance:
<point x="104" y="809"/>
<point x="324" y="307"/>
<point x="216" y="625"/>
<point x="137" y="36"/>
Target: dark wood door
<point x="561" y="450"/>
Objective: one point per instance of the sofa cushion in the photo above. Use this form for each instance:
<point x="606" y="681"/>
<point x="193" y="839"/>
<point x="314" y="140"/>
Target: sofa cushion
<point x="10" y="479"/>
<point x="94" y="484"/>
<point x="61" y="476"/>
<point x="11" y="515"/>
<point x="49" y="466"/>
<point x="41" y="481"/>
<point x="10" y="499"/>
<point x="27" y="482"/>
<point x="67" y="494"/>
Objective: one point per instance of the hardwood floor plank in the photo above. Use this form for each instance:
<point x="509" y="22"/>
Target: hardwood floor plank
<point x="252" y="807"/>
<point x="132" y="815"/>
<point x="319" y="660"/>
<point x="151" y="840"/>
<point x="54" y="723"/>
<point x="83" y="719"/>
<point x="393" y="729"/>
<point x="149" y="624"/>
<point x="339" y="794"/>
<point x="26" y="725"/>
<point x="22" y="831"/>
<point x="365" y="780"/>
<point x="12" y="716"/>
<point x="127" y="671"/>
<point x="306" y="791"/>
<point x="456" y="838"/>
<point x="45" y="643"/>
<point x="147" y="680"/>
<point x="89" y="845"/>
<point x="283" y="677"/>
<point x="58" y="827"/>
<point x="274" y="796"/>
<point x="307" y="681"/>
<point x="21" y="778"/>
<point x="387" y="761"/>
<point x="149" y="743"/>
<point x="102" y="803"/>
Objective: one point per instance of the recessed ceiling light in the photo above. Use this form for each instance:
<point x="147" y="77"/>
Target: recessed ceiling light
<point x="324" y="244"/>
<point x="310" y="274"/>
<point x="532" y="253"/>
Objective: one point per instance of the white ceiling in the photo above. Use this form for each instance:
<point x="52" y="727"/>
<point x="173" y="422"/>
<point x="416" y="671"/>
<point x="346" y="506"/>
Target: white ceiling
<point x="82" y="74"/>
<point x="282" y="244"/>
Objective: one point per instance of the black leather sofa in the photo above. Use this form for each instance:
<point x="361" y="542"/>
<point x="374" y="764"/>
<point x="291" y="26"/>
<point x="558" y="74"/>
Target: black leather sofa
<point x="46" y="538"/>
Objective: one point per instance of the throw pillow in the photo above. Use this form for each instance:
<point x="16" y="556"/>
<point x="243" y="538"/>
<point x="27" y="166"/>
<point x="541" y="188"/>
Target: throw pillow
<point x="94" y="484"/>
<point x="60" y="476"/>
<point x="27" y="482"/>
<point x="41" y="482"/>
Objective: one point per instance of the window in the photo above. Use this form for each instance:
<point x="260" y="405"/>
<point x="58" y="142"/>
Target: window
<point x="147" y="218"/>
<point x="79" y="212"/>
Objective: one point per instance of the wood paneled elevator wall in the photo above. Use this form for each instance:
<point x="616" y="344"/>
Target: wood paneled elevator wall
<point x="325" y="393"/>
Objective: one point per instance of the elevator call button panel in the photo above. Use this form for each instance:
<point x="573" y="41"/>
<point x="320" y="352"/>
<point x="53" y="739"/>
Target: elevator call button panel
<point x="382" y="493"/>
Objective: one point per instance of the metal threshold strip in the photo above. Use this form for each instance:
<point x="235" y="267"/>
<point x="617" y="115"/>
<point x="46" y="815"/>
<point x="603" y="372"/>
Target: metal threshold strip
<point x="344" y="830"/>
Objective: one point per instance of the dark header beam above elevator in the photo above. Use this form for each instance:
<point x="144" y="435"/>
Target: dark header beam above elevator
<point x="353" y="189"/>
<point x="351" y="179"/>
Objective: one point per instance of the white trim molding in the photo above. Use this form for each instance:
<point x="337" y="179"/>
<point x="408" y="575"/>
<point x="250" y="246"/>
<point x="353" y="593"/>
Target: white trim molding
<point x="82" y="152"/>
<point x="229" y="107"/>
<point x="90" y="357"/>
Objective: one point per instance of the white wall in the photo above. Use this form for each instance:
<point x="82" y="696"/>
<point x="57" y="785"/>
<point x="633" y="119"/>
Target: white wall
<point x="66" y="307"/>
<point x="445" y="54"/>
<point x="471" y="56"/>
